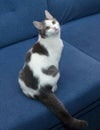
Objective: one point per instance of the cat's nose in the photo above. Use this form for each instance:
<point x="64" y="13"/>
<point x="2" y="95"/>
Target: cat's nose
<point x="55" y="28"/>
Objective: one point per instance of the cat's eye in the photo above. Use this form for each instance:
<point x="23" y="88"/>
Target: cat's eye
<point x="47" y="28"/>
<point x="53" y="22"/>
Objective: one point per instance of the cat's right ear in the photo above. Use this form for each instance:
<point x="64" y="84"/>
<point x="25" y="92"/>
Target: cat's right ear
<point x="48" y="15"/>
<point x="38" y="25"/>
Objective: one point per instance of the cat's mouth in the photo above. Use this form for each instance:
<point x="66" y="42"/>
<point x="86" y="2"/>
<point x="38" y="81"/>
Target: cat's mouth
<point x="56" y="30"/>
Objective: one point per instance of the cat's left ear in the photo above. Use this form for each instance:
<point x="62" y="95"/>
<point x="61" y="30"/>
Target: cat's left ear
<point x="38" y="25"/>
<point x="48" y="15"/>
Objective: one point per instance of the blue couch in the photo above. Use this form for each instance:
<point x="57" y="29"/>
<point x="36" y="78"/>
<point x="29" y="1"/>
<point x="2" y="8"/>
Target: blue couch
<point x="79" y="85"/>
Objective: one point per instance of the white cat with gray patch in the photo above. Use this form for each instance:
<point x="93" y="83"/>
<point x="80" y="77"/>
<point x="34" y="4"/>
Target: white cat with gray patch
<point x="40" y="73"/>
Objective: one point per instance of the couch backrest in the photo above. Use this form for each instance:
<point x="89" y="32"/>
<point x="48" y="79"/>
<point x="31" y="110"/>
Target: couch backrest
<point x="16" y="18"/>
<point x="67" y="10"/>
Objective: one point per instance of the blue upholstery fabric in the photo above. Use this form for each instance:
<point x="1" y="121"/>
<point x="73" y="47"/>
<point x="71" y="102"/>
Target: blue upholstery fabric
<point x="89" y="114"/>
<point x="66" y="10"/>
<point x="78" y="87"/>
<point x="92" y="117"/>
<point x="84" y="34"/>
<point x="16" y="17"/>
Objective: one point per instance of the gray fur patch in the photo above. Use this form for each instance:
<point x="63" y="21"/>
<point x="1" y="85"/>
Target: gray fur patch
<point x="40" y="49"/>
<point x="52" y="70"/>
<point x="28" y="56"/>
<point x="29" y="79"/>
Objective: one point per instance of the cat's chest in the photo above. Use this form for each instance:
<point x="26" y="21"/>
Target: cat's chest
<point x="54" y="54"/>
<point x="54" y="47"/>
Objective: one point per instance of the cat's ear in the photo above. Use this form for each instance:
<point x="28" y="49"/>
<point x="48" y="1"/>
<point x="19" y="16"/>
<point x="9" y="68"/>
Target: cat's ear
<point x="48" y="15"/>
<point x="38" y="25"/>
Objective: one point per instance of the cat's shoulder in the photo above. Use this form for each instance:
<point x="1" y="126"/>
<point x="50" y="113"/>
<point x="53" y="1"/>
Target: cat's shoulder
<point x="40" y="49"/>
<point x="37" y="48"/>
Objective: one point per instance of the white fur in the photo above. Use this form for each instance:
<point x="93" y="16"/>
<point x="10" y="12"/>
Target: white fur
<point x="52" y="31"/>
<point x="54" y="46"/>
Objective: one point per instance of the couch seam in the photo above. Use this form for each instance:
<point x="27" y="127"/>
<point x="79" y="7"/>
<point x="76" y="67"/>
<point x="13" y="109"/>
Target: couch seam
<point x="59" y="125"/>
<point x="47" y="5"/>
<point x="83" y="52"/>
<point x="61" y="19"/>
<point x="88" y="108"/>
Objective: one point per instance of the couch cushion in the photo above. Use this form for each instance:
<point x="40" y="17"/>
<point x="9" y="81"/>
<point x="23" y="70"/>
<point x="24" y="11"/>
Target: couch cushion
<point x="16" y="17"/>
<point x="78" y="87"/>
<point x="84" y="34"/>
<point x="66" y="10"/>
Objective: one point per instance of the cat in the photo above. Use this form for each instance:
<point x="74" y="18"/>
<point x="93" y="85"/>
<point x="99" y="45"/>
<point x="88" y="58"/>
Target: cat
<point x="40" y="73"/>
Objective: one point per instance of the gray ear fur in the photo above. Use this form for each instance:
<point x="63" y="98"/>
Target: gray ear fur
<point x="38" y="25"/>
<point x="48" y="15"/>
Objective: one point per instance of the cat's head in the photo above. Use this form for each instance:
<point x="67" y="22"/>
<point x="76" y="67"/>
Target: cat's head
<point x="48" y="27"/>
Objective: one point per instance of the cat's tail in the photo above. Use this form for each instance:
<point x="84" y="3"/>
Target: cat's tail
<point x="48" y="98"/>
